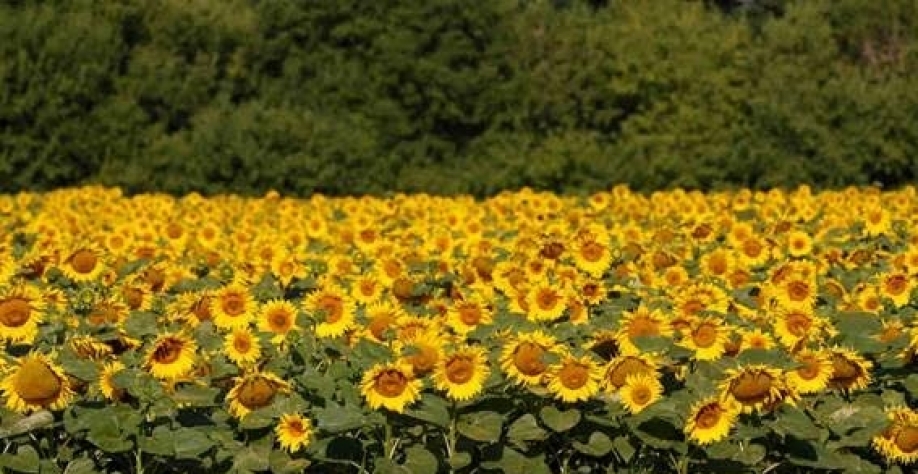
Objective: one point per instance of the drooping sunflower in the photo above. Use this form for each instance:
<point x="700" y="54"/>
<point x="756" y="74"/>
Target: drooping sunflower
<point x="813" y="372"/>
<point x="36" y="383"/>
<point x="254" y="390"/>
<point x="462" y="373"/>
<point x="574" y="379"/>
<point x="708" y="338"/>
<point x="107" y="386"/>
<point x="232" y="306"/>
<point x="711" y="420"/>
<point x="466" y="315"/>
<point x="333" y="310"/>
<point x="899" y="441"/>
<point x="641" y="322"/>
<point x="83" y="262"/>
<point x="277" y="317"/>
<point x="171" y="356"/>
<point x="392" y="386"/>
<point x="524" y="356"/>
<point x="546" y="301"/>
<point x="294" y="432"/>
<point x="755" y="387"/>
<point x="242" y="347"/>
<point x="640" y="391"/>
<point x="617" y="370"/>
<point x="21" y="311"/>
<point x="850" y="370"/>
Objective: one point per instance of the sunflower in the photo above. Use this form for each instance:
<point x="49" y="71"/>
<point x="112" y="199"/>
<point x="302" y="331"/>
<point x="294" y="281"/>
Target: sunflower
<point x="756" y="339"/>
<point x="293" y="432"/>
<point x="36" y="383"/>
<point x="107" y="386"/>
<point x="466" y="315"/>
<point x="277" y="317"/>
<point x="241" y="346"/>
<point x="899" y="441"/>
<point x="382" y="318"/>
<point x="422" y="350"/>
<point x="618" y="370"/>
<point x="232" y="307"/>
<point x="21" y="308"/>
<point x="111" y="310"/>
<point x="795" y="292"/>
<point x="172" y="356"/>
<point x="592" y="256"/>
<point x="877" y="221"/>
<point x="367" y="289"/>
<point x="392" y="386"/>
<point x="462" y="374"/>
<point x="697" y="297"/>
<point x="755" y="388"/>
<point x="711" y="420"/>
<point x="254" y="390"/>
<point x="88" y="347"/>
<point x="333" y="310"/>
<point x="642" y="322"/>
<point x="640" y="391"/>
<point x="717" y="263"/>
<point x="524" y="355"/>
<point x="850" y="371"/>
<point x="546" y="302"/>
<point x="799" y="243"/>
<point x="83" y="262"/>
<point x="868" y="299"/>
<point x="897" y="286"/>
<point x="813" y="372"/>
<point x="574" y="378"/>
<point x="707" y="337"/>
<point x="796" y="326"/>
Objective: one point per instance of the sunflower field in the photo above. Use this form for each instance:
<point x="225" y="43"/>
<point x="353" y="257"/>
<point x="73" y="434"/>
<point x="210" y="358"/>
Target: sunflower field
<point x="526" y="333"/>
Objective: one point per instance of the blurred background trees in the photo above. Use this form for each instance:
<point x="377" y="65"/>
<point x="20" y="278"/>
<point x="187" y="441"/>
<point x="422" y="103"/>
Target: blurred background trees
<point x="450" y="96"/>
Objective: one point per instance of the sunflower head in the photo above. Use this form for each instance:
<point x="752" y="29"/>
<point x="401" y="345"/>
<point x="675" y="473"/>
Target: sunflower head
<point x="294" y="432"/>
<point x="899" y="441"/>
<point x="462" y="374"/>
<point x="392" y="386"/>
<point x="36" y="383"/>
<point x="711" y="420"/>
<point x="171" y="356"/>
<point x="254" y="390"/>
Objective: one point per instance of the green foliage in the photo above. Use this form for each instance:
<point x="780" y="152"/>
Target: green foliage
<point x="455" y="96"/>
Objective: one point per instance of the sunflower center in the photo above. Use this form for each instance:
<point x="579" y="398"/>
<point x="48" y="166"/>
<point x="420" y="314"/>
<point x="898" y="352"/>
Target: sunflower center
<point x="256" y="393"/>
<point x="528" y="359"/>
<point x="896" y="284"/>
<point x="701" y="231"/>
<point x="470" y="315"/>
<point x="367" y="287"/>
<point x="174" y="230"/>
<point x="751" y="387"/>
<point x="233" y="304"/>
<point x="798" y="324"/>
<point x="279" y="321"/>
<point x="424" y="359"/>
<point x="692" y="307"/>
<point x="907" y="439"/>
<point x="295" y="428"/>
<point x="592" y="251"/>
<point x="573" y="376"/>
<point x="708" y="417"/>
<point x="641" y="395"/>
<point x="83" y="261"/>
<point x="15" y="312"/>
<point x="552" y="250"/>
<point x="242" y="343"/>
<point x="704" y="335"/>
<point x="717" y="265"/>
<point x="643" y="326"/>
<point x="845" y="372"/>
<point x="628" y="366"/>
<point x="798" y="290"/>
<point x="391" y="383"/>
<point x="460" y="370"/>
<point x="547" y="299"/>
<point x="168" y="351"/>
<point x="752" y="248"/>
<point x="36" y="383"/>
<point x="379" y="325"/>
<point x="201" y="309"/>
<point x="810" y="369"/>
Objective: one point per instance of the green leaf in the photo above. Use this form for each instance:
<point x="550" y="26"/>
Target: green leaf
<point x="80" y="466"/>
<point x="720" y="450"/>
<point x="431" y="409"/>
<point x="652" y="343"/>
<point x="911" y="384"/>
<point x="792" y="421"/>
<point x="336" y="418"/>
<point x="388" y="466"/>
<point x="197" y="396"/>
<point x="282" y="463"/>
<point x="16" y="425"/>
<point x="420" y="461"/>
<point x="598" y="445"/>
<point x="161" y="442"/>
<point x="459" y="460"/>
<point x="248" y="459"/>
<point x="257" y="419"/>
<point x="25" y="460"/>
<point x="84" y="370"/>
<point x="141" y="323"/>
<point x="513" y="462"/>
<point x="557" y="420"/>
<point x="191" y="443"/>
<point x="750" y="454"/>
<point x="483" y="426"/>
<point x="526" y="428"/>
<point x="624" y="448"/>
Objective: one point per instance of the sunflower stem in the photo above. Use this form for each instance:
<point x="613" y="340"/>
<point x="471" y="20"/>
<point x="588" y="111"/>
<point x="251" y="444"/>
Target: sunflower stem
<point x="451" y="440"/>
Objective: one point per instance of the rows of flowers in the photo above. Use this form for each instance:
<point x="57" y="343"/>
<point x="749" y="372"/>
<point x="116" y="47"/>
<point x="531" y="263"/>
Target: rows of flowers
<point x="529" y="332"/>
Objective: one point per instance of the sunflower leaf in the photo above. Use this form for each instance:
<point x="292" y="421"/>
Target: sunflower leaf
<point x="624" y="448"/>
<point x="420" y="461"/>
<point x="141" y="323"/>
<point x="336" y="418"/>
<point x="526" y="428"/>
<point x="598" y="445"/>
<point x="25" y="460"/>
<point x="14" y="426"/>
<point x="483" y="426"/>
<point x="431" y="409"/>
<point x="557" y="420"/>
<point x="282" y="463"/>
<point x="82" y="369"/>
